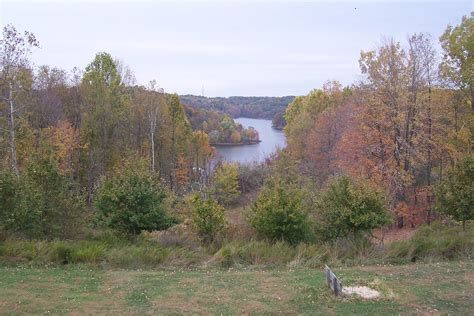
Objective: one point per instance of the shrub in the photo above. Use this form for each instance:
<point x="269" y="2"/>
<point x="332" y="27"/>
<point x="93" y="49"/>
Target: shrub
<point x="350" y="207"/>
<point x="226" y="183"/>
<point x="131" y="201"/>
<point x="208" y="218"/>
<point x="279" y="213"/>
<point x="44" y="202"/>
<point x="455" y="194"/>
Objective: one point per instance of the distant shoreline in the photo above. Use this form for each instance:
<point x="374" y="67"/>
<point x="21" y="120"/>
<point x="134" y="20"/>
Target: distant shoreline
<point x="254" y="142"/>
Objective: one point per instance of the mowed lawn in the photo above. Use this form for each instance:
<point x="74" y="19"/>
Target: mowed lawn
<point x="440" y="288"/>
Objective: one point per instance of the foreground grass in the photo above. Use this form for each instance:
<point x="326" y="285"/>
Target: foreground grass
<point x="446" y="288"/>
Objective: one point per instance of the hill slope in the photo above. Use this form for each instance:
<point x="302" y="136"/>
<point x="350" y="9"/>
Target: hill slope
<point x="252" y="107"/>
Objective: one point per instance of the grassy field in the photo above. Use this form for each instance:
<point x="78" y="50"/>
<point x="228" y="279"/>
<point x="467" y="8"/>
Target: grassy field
<point x="439" y="288"/>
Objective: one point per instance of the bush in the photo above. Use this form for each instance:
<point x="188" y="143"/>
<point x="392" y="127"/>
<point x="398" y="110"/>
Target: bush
<point x="226" y="184"/>
<point x="208" y="218"/>
<point x="350" y="207"/>
<point x="131" y="201"/>
<point x="455" y="194"/>
<point x="279" y="213"/>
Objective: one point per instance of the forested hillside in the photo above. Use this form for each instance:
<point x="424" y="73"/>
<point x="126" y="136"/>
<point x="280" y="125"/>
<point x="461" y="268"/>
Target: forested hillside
<point x="252" y="107"/>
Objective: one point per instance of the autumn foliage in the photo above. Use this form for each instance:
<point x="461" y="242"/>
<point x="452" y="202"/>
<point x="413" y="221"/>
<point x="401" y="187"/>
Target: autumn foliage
<point x="400" y="128"/>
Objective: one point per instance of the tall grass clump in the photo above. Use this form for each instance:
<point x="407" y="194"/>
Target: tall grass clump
<point x="283" y="254"/>
<point x="88" y="252"/>
<point x="260" y="253"/>
<point x="436" y="241"/>
<point x="142" y="254"/>
<point x="137" y="256"/>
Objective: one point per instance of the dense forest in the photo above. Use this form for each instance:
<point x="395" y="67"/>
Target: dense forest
<point x="90" y="151"/>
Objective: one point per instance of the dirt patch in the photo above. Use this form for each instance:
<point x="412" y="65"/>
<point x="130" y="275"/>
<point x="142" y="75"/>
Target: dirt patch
<point x="362" y="291"/>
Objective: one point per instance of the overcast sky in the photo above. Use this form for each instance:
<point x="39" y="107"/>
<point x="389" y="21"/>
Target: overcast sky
<point x="230" y="47"/>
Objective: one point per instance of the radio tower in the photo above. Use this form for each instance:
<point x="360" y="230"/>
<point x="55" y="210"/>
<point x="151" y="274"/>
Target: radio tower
<point x="202" y="91"/>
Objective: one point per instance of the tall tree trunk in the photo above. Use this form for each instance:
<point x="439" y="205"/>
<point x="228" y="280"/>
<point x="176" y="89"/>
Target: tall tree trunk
<point x="173" y="157"/>
<point x="152" y="136"/>
<point x="472" y="99"/>
<point x="429" y="165"/>
<point x="11" y="124"/>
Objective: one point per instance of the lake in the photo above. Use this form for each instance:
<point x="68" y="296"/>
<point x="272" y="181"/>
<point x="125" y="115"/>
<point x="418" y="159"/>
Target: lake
<point x="271" y="139"/>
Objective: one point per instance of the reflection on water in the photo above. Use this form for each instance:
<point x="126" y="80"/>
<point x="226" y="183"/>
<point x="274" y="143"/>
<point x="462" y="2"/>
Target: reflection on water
<point x="271" y="140"/>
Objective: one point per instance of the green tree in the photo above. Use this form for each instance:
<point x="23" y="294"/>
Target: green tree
<point x="16" y="78"/>
<point x="455" y="194"/>
<point x="8" y="198"/>
<point x="179" y="122"/>
<point x="180" y="134"/>
<point x="104" y="118"/>
<point x="46" y="204"/>
<point x="132" y="200"/>
<point x="458" y="58"/>
<point x="279" y="213"/>
<point x="226" y="183"/>
<point x="208" y="217"/>
<point x="350" y="207"/>
<point x="102" y="73"/>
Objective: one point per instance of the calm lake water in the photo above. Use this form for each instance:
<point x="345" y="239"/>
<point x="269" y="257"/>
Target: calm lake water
<point x="270" y="137"/>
